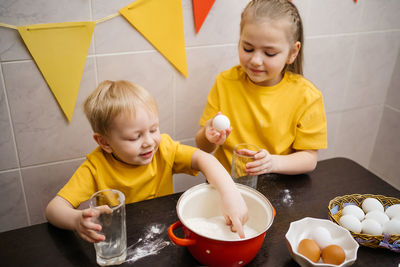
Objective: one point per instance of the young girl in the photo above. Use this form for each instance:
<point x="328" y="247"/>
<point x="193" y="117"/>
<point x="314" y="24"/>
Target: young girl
<point x="268" y="101"/>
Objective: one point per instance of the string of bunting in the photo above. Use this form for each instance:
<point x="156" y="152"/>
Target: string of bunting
<point x="60" y="49"/>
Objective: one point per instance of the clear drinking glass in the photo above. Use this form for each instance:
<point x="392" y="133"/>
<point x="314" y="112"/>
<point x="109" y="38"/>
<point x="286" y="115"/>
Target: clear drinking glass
<point x="112" y="250"/>
<point x="242" y="154"/>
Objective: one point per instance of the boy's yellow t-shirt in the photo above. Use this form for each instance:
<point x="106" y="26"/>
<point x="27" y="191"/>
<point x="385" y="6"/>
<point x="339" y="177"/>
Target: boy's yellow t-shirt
<point x="283" y="118"/>
<point x="102" y="171"/>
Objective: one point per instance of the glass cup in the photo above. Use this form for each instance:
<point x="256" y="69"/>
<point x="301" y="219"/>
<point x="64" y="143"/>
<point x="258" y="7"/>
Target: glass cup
<point x="242" y="154"/>
<point x="112" y="250"/>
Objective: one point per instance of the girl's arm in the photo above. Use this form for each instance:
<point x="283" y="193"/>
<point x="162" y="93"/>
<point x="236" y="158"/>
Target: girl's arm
<point x="60" y="213"/>
<point x="301" y="161"/>
<point x="233" y="205"/>
<point x="202" y="141"/>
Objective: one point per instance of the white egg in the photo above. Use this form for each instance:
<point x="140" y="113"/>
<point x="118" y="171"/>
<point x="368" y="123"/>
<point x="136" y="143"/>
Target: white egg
<point x="393" y="210"/>
<point x="221" y="122"/>
<point x="371" y="227"/>
<point x="321" y="236"/>
<point x="392" y="227"/>
<point x="378" y="216"/>
<point x="370" y="204"/>
<point x="350" y="222"/>
<point x="353" y="210"/>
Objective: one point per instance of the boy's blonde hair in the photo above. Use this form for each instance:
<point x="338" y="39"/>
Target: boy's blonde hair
<point x="112" y="98"/>
<point x="258" y="10"/>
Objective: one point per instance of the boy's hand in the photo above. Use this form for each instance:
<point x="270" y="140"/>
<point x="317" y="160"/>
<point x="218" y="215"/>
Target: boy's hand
<point x="235" y="212"/>
<point x="263" y="163"/>
<point x="213" y="135"/>
<point x="86" y="228"/>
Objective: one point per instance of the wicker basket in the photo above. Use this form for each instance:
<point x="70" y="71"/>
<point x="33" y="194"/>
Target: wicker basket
<point x="374" y="241"/>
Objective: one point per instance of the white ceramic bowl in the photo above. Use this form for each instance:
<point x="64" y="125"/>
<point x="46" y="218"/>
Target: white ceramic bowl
<point x="301" y="229"/>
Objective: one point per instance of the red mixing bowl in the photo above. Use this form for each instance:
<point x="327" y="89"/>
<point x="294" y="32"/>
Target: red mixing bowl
<point x="203" y="201"/>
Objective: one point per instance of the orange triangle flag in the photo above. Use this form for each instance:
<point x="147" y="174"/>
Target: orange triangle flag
<point x="200" y="11"/>
<point x="60" y="50"/>
<point x="161" y="23"/>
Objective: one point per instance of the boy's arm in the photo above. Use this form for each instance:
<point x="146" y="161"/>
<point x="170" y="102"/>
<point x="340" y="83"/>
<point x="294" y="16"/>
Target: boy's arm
<point x="60" y="213"/>
<point x="233" y="205"/>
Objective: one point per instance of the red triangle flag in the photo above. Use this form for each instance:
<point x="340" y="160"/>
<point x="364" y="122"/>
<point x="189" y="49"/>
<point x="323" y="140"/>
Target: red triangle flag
<point x="200" y="11"/>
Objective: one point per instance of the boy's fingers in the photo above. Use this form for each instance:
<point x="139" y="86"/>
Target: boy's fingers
<point x="237" y="225"/>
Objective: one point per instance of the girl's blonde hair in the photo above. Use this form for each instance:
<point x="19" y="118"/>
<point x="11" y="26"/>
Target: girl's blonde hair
<point x="257" y="10"/>
<point x="112" y="98"/>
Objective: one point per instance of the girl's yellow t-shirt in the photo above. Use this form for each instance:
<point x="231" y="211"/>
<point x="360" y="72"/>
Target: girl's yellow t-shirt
<point x="101" y="171"/>
<point x="283" y="118"/>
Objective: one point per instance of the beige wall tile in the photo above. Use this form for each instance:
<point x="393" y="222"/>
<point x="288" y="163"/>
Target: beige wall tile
<point x="8" y="156"/>
<point x="204" y="65"/>
<point x="332" y="17"/>
<point x="357" y="133"/>
<point x="151" y="71"/>
<point x="327" y="64"/>
<point x="380" y="15"/>
<point x="42" y="183"/>
<point x="26" y="12"/>
<point x="393" y="95"/>
<point x="12" y="202"/>
<point x="375" y="56"/>
<point x="385" y="158"/>
<point x="42" y="132"/>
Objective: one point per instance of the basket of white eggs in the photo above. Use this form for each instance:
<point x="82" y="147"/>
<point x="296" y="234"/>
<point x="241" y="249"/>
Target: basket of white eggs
<point x="373" y="220"/>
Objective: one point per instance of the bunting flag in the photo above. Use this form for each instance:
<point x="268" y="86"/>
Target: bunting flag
<point x="161" y="23"/>
<point x="60" y="50"/>
<point x="200" y="12"/>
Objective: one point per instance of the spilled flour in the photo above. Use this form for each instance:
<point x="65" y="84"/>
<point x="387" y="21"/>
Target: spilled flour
<point x="150" y="244"/>
<point x="287" y="198"/>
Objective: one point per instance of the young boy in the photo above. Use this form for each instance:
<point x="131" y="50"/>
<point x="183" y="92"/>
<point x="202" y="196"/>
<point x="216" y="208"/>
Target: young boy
<point x="134" y="158"/>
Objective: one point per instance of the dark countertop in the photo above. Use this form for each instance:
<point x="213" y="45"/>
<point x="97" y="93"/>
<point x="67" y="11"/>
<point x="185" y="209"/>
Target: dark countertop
<point x="294" y="197"/>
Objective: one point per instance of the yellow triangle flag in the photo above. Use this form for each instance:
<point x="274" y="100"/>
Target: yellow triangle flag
<point x="60" y="50"/>
<point x="161" y="23"/>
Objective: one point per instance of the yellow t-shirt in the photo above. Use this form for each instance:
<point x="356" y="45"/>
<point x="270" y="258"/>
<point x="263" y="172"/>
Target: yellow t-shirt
<point x="282" y="118"/>
<point x="101" y="171"/>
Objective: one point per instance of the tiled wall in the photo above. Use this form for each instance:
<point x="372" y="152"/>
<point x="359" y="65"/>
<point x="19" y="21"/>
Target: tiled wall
<point x="350" y="54"/>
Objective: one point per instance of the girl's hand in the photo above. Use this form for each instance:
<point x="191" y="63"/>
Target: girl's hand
<point x="86" y="227"/>
<point x="214" y="136"/>
<point x="263" y="163"/>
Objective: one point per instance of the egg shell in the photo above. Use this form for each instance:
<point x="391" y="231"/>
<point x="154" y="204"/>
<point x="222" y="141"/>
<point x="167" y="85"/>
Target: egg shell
<point x="333" y="254"/>
<point x="393" y="211"/>
<point x="221" y="122"/>
<point x="378" y="216"/>
<point x="397" y="217"/>
<point x="392" y="227"/>
<point x="353" y="210"/>
<point x="309" y="249"/>
<point x="371" y="227"/>
<point x="370" y="204"/>
<point x="321" y="236"/>
<point x="350" y="222"/>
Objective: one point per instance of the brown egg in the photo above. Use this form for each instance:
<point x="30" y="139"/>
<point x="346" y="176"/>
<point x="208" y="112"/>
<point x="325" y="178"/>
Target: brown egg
<point x="333" y="254"/>
<point x="309" y="249"/>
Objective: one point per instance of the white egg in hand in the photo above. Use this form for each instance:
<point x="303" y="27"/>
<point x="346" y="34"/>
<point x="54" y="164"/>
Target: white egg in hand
<point x="221" y="122"/>
<point x="321" y="236"/>
<point x="370" y="204"/>
<point x="350" y="222"/>
<point x="353" y="210"/>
